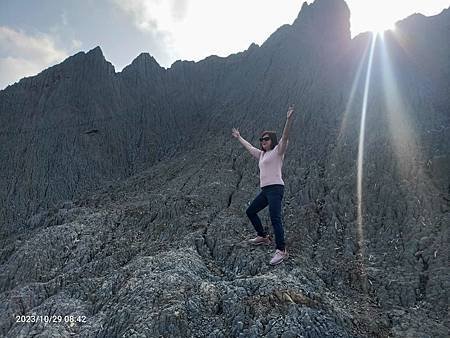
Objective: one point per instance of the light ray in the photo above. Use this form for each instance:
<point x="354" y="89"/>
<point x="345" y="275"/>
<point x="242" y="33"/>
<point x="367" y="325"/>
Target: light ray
<point x="352" y="94"/>
<point x="411" y="163"/>
<point x="360" y="231"/>
<point x="400" y="126"/>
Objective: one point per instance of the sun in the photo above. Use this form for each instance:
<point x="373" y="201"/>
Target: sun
<point x="374" y="23"/>
<point x="373" y="17"/>
<point x="380" y="26"/>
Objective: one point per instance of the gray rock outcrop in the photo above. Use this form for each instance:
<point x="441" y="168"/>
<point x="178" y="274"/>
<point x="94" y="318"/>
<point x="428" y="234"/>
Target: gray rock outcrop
<point x="123" y="195"/>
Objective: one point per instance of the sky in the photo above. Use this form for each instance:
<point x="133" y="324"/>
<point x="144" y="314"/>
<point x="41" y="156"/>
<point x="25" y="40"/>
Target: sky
<point x="35" y="35"/>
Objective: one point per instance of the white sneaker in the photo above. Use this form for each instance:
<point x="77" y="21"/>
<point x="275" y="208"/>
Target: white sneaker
<point x="278" y="257"/>
<point x="258" y="240"/>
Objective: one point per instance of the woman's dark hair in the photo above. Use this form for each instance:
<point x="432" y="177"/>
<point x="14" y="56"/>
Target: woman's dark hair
<point x="273" y="138"/>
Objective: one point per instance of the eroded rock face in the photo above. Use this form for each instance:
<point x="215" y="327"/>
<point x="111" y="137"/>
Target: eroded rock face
<point x="164" y="255"/>
<point x="146" y="235"/>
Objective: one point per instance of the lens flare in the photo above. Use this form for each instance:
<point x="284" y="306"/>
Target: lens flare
<point x="352" y="95"/>
<point x="362" y="129"/>
<point x="400" y="126"/>
<point x="405" y="139"/>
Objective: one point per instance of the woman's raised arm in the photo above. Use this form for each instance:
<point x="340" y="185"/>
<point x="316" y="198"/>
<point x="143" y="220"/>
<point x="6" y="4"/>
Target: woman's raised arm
<point x="287" y="127"/>
<point x="251" y="149"/>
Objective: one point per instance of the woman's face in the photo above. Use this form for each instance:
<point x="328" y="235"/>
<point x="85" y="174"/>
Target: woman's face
<point x="266" y="142"/>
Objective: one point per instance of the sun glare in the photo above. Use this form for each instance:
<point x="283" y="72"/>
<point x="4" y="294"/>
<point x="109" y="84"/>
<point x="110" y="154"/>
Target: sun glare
<point x="380" y="15"/>
<point x="380" y="26"/>
<point x="373" y="23"/>
<point x="374" y="16"/>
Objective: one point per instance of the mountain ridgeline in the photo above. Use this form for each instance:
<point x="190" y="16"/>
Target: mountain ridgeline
<point x="123" y="194"/>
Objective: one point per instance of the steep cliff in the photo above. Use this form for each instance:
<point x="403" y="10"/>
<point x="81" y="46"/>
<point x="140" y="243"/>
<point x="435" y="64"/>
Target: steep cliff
<point x="123" y="194"/>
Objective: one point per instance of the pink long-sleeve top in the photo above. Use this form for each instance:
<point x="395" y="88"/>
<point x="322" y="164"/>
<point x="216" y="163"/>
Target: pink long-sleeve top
<point x="270" y="163"/>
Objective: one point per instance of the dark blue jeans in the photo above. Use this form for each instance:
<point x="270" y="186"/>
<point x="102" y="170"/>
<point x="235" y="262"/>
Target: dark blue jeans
<point x="271" y="195"/>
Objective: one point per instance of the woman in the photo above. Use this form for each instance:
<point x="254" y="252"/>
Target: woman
<point x="270" y="159"/>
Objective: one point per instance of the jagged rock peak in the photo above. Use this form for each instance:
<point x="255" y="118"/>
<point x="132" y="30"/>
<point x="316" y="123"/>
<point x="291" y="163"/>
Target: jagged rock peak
<point x="96" y="59"/>
<point x="143" y="63"/>
<point x="96" y="52"/>
<point x="93" y="54"/>
<point x="253" y="46"/>
<point x="418" y="18"/>
<point x="145" y="59"/>
<point x="325" y="15"/>
<point x="337" y="8"/>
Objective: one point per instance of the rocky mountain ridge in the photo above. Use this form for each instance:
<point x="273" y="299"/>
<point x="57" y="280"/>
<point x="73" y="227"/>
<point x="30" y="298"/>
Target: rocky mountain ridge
<point x="123" y="194"/>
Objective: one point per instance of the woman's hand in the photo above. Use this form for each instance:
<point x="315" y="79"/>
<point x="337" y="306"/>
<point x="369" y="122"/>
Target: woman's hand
<point x="290" y="111"/>
<point x="235" y="133"/>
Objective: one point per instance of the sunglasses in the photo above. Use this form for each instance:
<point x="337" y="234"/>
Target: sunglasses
<point x="267" y="138"/>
